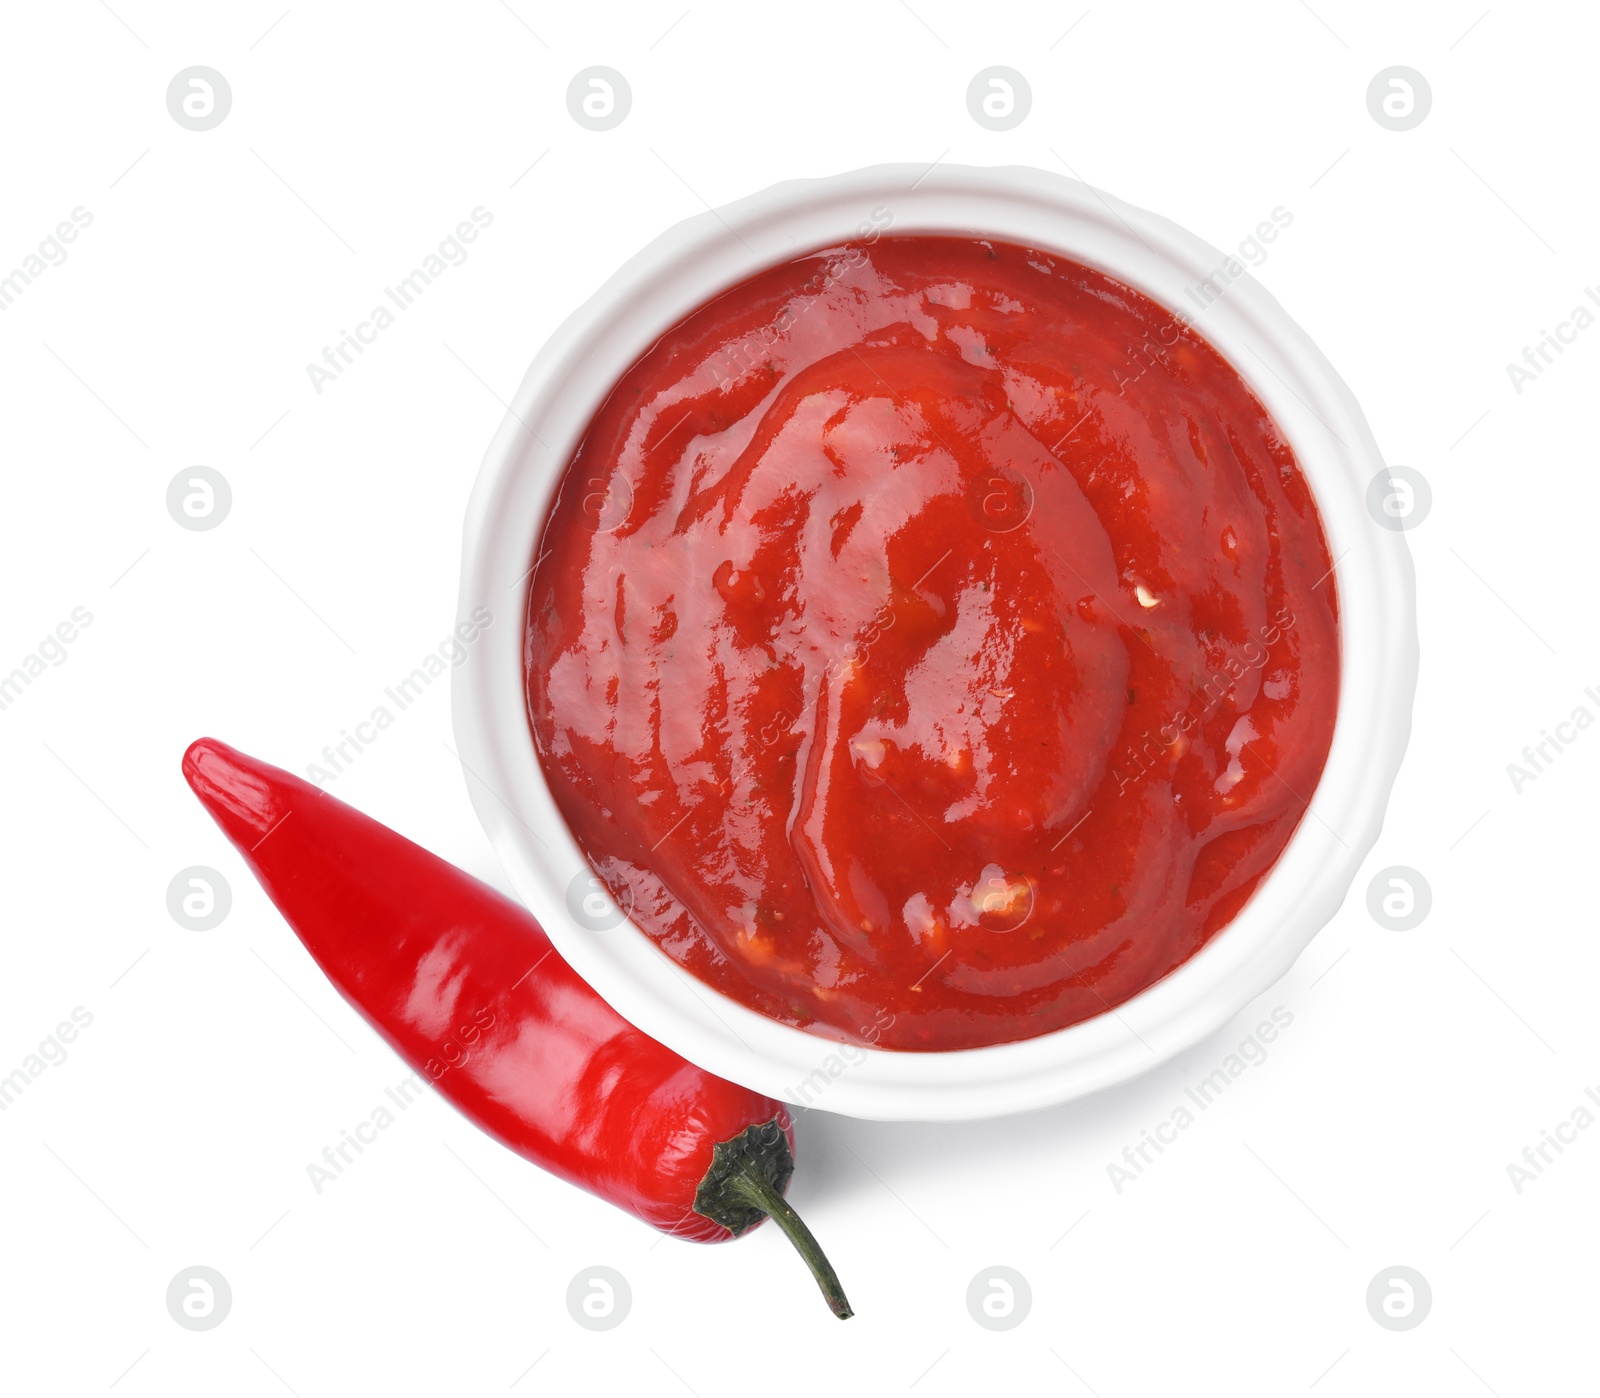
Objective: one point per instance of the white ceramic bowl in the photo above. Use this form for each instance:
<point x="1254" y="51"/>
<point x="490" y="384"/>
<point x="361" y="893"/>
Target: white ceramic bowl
<point x="678" y="272"/>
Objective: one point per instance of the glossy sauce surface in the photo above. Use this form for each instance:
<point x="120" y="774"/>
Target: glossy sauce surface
<point x="933" y="643"/>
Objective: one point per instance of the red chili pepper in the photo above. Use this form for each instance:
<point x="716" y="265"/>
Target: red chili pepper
<point x="468" y="990"/>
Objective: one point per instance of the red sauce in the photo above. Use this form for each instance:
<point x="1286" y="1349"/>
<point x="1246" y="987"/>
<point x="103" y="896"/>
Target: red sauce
<point x="933" y="643"/>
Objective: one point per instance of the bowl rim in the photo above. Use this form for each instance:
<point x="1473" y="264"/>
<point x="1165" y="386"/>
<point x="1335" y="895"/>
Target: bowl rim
<point x="703" y="255"/>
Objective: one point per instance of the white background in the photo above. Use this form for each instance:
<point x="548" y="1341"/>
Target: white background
<point x="218" y="1065"/>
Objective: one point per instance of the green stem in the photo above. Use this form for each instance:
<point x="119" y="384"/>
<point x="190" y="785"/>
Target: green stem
<point x="750" y="1185"/>
<point x="745" y="1184"/>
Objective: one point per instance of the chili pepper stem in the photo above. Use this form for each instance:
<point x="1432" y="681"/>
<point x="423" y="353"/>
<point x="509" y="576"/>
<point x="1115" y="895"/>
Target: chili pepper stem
<point x="745" y="1184"/>
<point x="751" y="1186"/>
